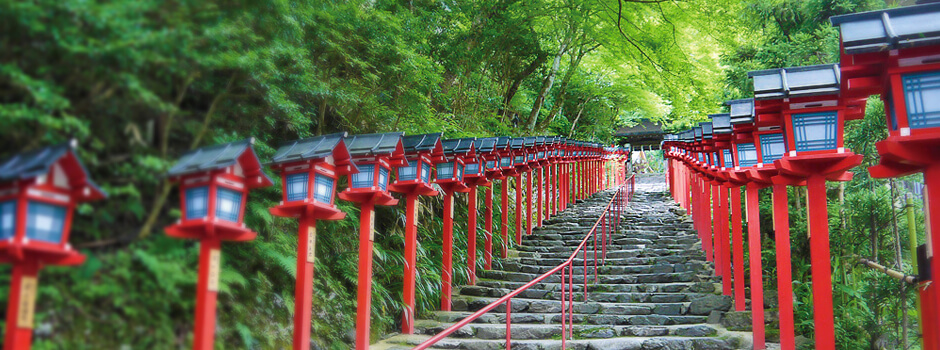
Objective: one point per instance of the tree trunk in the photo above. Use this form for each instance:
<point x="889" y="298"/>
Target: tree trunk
<point x="577" y="118"/>
<point x="546" y="86"/>
<point x="517" y="81"/>
<point x="563" y="87"/>
<point x="321" y="114"/>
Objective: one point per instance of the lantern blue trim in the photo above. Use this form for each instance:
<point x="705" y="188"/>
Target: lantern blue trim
<point x="747" y="155"/>
<point x="472" y="168"/>
<point x="729" y="160"/>
<point x="363" y="179"/>
<point x="922" y="97"/>
<point x="383" y="179"/>
<point x="490" y="164"/>
<point x="520" y="159"/>
<point x="426" y="172"/>
<point x="893" y="117"/>
<point x="45" y="222"/>
<point x="505" y="161"/>
<point x="197" y="202"/>
<point x="7" y="219"/>
<point x="460" y="173"/>
<point x="408" y="172"/>
<point x="771" y="147"/>
<point x="714" y="160"/>
<point x="445" y="171"/>
<point x="227" y="204"/>
<point x="297" y="186"/>
<point x="815" y="131"/>
<point x="323" y="188"/>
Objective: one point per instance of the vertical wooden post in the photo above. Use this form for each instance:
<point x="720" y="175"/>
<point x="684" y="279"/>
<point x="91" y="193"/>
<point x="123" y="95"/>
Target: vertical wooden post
<point x="528" y="202"/>
<point x="784" y="277"/>
<point x="539" y="197"/>
<point x="411" y="248"/>
<point x="488" y="226"/>
<point x="757" y="284"/>
<point x="472" y="234"/>
<point x="519" y="212"/>
<point x="706" y="218"/>
<point x="737" y="239"/>
<point x="364" y="292"/>
<point x="820" y="264"/>
<point x="725" y="259"/>
<point x="716" y="245"/>
<point x="504" y="218"/>
<point x="210" y="265"/>
<point x="448" y="259"/>
<point x="930" y="315"/>
<point x="21" y="304"/>
<point x="303" y="287"/>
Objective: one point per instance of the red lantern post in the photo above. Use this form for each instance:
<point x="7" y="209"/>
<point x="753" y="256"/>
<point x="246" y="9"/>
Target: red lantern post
<point x="450" y="174"/>
<point x="894" y="53"/>
<point x="374" y="156"/>
<point x="39" y="190"/>
<point x="474" y="176"/>
<point x="309" y="170"/>
<point x="813" y="115"/>
<point x="214" y="184"/>
<point x="506" y="171"/>
<point x="490" y="150"/>
<point x="519" y="162"/>
<point x="413" y="180"/>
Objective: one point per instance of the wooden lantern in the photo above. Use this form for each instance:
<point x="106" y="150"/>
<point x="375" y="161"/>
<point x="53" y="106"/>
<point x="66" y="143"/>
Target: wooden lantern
<point x="214" y="184"/>
<point x="39" y="190"/>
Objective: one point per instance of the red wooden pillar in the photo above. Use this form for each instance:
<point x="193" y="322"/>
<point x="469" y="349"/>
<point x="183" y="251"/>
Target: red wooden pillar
<point x="364" y="293"/>
<point x="556" y="191"/>
<point x="519" y="212"/>
<point x="448" y="259"/>
<point x="757" y="284"/>
<point x="472" y="234"/>
<point x="930" y="314"/>
<point x="688" y="190"/>
<point x="539" y="197"/>
<point x="707" y="219"/>
<point x="504" y="218"/>
<point x="528" y="202"/>
<point x="303" y="288"/>
<point x="488" y="225"/>
<point x="716" y="200"/>
<point x="24" y="282"/>
<point x="784" y="278"/>
<point x="411" y="248"/>
<point x="819" y="259"/>
<point x="210" y="263"/>
<point x="738" y="241"/>
<point x="725" y="259"/>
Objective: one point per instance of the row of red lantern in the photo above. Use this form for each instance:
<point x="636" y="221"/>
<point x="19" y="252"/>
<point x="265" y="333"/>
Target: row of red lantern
<point x="39" y="190"/>
<point x="791" y="134"/>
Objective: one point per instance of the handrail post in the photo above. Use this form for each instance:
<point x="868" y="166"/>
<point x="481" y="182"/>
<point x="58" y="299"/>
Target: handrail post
<point x="585" y="270"/>
<point x="563" y="296"/>
<point x="571" y="300"/>
<point x="508" y="322"/>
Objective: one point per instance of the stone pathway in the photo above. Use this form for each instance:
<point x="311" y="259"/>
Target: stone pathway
<point x="656" y="291"/>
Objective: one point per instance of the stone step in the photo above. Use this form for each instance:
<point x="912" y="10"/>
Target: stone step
<point x="619" y="253"/>
<point x="680" y="287"/>
<point x="608" y="269"/>
<point x="534" y="318"/>
<point x="552" y="262"/>
<point x="701" y="306"/>
<point x="724" y="341"/>
<point x="688" y="276"/>
<point x="549" y="331"/>
<point x="618" y="297"/>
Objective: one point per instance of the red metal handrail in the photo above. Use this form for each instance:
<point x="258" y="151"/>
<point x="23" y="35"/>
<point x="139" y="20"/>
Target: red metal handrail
<point x="621" y="198"/>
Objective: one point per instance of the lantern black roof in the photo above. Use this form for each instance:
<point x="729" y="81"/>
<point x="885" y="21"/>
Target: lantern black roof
<point x="485" y="144"/>
<point x="309" y="148"/>
<point x="897" y="28"/>
<point x="742" y="111"/>
<point x="796" y="81"/>
<point x="503" y="142"/>
<point x="721" y="123"/>
<point x="529" y="141"/>
<point x="698" y="132"/>
<point x="211" y="157"/>
<point x="541" y="140"/>
<point x="373" y="144"/>
<point x="458" y="146"/>
<point x="706" y="129"/>
<point x="517" y="142"/>
<point x="418" y="143"/>
<point x="38" y="162"/>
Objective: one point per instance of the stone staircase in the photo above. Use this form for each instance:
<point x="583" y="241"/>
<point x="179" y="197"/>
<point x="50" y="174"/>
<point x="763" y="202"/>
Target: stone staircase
<point x="655" y="292"/>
